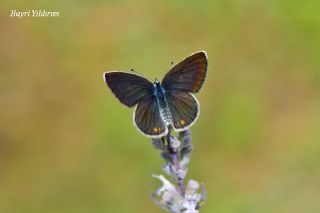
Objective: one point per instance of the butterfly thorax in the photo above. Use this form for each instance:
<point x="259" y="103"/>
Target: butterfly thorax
<point x="162" y="103"/>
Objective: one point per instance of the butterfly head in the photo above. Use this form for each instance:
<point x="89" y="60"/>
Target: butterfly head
<point x="157" y="85"/>
<point x="156" y="81"/>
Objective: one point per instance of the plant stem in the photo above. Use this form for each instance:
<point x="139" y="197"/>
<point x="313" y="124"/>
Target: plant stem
<point x="180" y="180"/>
<point x="176" y="164"/>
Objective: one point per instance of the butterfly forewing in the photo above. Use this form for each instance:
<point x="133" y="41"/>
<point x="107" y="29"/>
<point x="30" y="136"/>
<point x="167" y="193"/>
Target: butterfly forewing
<point x="188" y="75"/>
<point x="147" y="118"/>
<point x="184" y="109"/>
<point x="129" y="88"/>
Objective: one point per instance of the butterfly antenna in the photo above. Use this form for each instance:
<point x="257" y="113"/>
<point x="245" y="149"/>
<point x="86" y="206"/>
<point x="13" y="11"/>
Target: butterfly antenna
<point x="138" y="73"/>
<point x="171" y="64"/>
<point x="133" y="70"/>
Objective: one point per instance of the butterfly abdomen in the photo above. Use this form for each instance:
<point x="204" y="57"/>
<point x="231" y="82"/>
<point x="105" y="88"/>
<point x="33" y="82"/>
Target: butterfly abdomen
<point x="166" y="116"/>
<point x="163" y="106"/>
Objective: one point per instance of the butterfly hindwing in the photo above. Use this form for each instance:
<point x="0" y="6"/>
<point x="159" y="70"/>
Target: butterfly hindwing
<point x="147" y="118"/>
<point x="184" y="109"/>
<point x="188" y="75"/>
<point x="129" y="88"/>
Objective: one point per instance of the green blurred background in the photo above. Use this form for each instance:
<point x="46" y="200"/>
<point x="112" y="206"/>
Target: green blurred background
<point x="68" y="146"/>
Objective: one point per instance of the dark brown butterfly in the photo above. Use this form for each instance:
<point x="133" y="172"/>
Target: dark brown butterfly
<point x="160" y="106"/>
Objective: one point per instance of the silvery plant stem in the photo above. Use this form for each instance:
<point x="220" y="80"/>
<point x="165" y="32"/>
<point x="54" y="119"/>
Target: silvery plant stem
<point x="180" y="180"/>
<point x="173" y="196"/>
<point x="176" y="164"/>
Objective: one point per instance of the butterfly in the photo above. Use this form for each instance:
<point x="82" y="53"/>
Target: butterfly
<point x="161" y="106"/>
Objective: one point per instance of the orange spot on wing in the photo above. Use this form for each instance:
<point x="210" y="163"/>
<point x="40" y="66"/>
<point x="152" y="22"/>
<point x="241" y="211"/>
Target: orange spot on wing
<point x="156" y="130"/>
